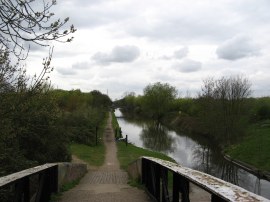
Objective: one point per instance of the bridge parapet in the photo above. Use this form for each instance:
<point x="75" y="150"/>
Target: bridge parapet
<point x="17" y="186"/>
<point x="38" y="183"/>
<point x="155" y="177"/>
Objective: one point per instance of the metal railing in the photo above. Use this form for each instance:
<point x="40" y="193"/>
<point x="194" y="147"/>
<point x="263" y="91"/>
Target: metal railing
<point x="35" y="184"/>
<point x="156" y="179"/>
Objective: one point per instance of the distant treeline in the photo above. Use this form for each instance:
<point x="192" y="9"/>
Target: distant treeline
<point x="222" y="110"/>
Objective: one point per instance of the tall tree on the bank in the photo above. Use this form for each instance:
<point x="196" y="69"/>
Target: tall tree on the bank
<point x="157" y="99"/>
<point x="28" y="114"/>
<point x="223" y="107"/>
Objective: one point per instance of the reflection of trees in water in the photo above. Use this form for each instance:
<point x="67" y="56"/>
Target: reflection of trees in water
<point x="156" y="137"/>
<point x="203" y="158"/>
<point x="211" y="162"/>
<point x="229" y="172"/>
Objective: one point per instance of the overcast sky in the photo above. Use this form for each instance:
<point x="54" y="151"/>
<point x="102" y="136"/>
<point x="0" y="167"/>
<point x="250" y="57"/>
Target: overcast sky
<point x="123" y="45"/>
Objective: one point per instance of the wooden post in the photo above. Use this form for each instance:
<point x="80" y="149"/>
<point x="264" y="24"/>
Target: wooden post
<point x="126" y="140"/>
<point x="115" y="132"/>
<point x="120" y="133"/>
<point x="96" y="135"/>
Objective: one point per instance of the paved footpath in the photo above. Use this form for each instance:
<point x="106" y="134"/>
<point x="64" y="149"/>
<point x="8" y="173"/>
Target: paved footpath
<point x="107" y="183"/>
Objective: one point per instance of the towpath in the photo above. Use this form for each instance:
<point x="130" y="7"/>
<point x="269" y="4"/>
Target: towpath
<point x="107" y="183"/>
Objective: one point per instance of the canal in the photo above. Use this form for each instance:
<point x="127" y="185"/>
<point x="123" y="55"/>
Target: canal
<point x="192" y="152"/>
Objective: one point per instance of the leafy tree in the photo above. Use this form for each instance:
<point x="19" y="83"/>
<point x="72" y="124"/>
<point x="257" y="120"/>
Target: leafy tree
<point x="100" y="100"/>
<point x="28" y="114"/>
<point x="223" y="107"/>
<point x="158" y="99"/>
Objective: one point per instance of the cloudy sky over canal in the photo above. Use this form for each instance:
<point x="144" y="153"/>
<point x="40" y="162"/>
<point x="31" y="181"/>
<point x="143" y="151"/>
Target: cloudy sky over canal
<point x="123" y="45"/>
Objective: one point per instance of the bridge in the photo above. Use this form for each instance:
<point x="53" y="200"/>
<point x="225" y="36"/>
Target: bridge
<point x="162" y="180"/>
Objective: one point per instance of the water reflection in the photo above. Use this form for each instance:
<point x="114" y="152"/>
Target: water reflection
<point x="191" y="151"/>
<point x="155" y="137"/>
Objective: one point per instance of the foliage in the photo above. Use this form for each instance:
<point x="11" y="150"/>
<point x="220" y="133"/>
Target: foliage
<point x="82" y="113"/>
<point x="259" y="109"/>
<point x="223" y="107"/>
<point x="187" y="106"/>
<point x="28" y="116"/>
<point x="37" y="123"/>
<point x="157" y="99"/>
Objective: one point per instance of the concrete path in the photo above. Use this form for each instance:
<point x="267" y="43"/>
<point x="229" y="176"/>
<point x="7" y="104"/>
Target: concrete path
<point x="107" y="183"/>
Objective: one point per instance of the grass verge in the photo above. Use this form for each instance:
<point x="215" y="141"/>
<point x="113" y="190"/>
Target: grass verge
<point x="255" y="148"/>
<point x="130" y="153"/>
<point x="114" y="121"/>
<point x="93" y="155"/>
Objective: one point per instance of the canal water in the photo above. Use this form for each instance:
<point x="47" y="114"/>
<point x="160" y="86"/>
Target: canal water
<point x="192" y="152"/>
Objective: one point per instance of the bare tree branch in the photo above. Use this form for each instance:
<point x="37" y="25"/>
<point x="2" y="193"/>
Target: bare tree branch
<point x="30" y="21"/>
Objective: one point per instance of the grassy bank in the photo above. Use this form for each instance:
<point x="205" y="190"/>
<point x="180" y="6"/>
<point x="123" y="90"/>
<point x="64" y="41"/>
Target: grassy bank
<point x="93" y="155"/>
<point x="130" y="153"/>
<point x="114" y="122"/>
<point x="255" y="148"/>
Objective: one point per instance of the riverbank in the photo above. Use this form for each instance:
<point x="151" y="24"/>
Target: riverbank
<point x="255" y="148"/>
<point x="251" y="154"/>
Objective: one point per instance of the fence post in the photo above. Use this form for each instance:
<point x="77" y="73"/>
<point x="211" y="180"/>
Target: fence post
<point x="96" y="135"/>
<point x="120" y="133"/>
<point x="115" y="133"/>
<point x="126" y="140"/>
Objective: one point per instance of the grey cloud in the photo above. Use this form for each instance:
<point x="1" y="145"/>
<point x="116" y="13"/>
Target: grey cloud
<point x="182" y="28"/>
<point x="178" y="54"/>
<point x="181" y="53"/>
<point x="236" y="48"/>
<point x="119" y="54"/>
<point x="188" y="66"/>
<point x="81" y="65"/>
<point x="65" y="71"/>
<point x="90" y="14"/>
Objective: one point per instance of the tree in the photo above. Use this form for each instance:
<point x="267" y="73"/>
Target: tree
<point x="223" y="104"/>
<point x="157" y="99"/>
<point x="28" y="114"/>
<point x="26" y="22"/>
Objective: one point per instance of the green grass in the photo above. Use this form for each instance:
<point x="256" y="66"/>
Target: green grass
<point x="255" y="148"/>
<point x="114" y="121"/>
<point x="93" y="155"/>
<point x="130" y="153"/>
